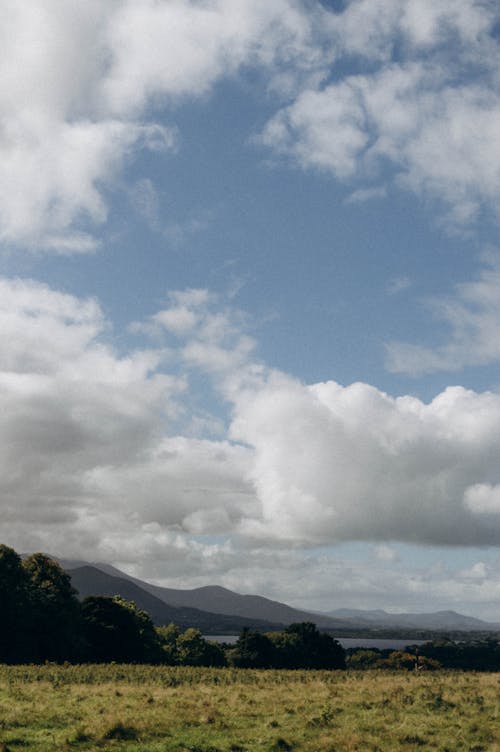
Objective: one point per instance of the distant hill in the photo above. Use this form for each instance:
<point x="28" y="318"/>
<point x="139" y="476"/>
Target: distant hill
<point x="213" y="608"/>
<point x="222" y="601"/>
<point x="439" y="620"/>
<point x="89" y="580"/>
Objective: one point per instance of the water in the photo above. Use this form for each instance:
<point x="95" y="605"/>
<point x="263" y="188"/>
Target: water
<point x="368" y="642"/>
<point x="346" y="642"/>
<point x="229" y="639"/>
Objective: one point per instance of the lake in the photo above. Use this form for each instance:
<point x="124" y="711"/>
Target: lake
<point x="346" y="642"/>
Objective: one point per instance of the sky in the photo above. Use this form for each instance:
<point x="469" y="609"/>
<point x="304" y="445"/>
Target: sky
<point x="250" y="295"/>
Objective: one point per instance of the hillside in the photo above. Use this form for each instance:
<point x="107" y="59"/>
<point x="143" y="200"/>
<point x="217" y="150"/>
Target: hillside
<point x="219" y="600"/>
<point x="214" y="608"/>
<point x="439" y="620"/>
<point x="89" y="580"/>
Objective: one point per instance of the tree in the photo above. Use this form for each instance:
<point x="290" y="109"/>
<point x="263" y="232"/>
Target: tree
<point x="301" y="645"/>
<point x="167" y="637"/>
<point x="252" y="650"/>
<point x="116" y="630"/>
<point x="194" y="650"/>
<point x="362" y="659"/>
<point x="53" y="616"/>
<point x="13" y="606"/>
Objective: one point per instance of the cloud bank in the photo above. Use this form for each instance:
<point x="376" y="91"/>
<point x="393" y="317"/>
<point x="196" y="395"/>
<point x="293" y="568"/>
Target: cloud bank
<point x="93" y="459"/>
<point x="86" y="87"/>
<point x="420" y="96"/>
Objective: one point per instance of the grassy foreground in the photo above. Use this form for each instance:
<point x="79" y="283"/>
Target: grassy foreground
<point x="153" y="709"/>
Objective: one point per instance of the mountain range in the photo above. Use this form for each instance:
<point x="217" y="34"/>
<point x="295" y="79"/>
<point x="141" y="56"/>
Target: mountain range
<point x="438" y="620"/>
<point x="214" y="609"/>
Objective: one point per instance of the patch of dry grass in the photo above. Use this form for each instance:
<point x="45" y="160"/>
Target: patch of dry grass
<point x="153" y="709"/>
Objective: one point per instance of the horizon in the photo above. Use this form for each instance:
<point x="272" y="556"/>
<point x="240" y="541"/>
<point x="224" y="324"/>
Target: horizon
<point x="68" y="565"/>
<point x="250" y="295"/>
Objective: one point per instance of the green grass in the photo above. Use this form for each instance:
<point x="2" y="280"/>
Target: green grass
<point x="153" y="709"/>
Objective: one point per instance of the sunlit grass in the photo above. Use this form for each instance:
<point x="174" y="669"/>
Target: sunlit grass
<point x="148" y="709"/>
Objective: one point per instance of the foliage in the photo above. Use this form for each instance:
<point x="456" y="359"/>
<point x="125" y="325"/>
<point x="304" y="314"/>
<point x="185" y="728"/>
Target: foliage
<point x="252" y="650"/>
<point x="193" y="650"/>
<point x="13" y="604"/>
<point x="115" y="630"/>
<point x="53" y="611"/>
<point x="302" y="645"/>
<point x="41" y="619"/>
<point x="40" y="611"/>
<point x="466" y="655"/>
<point x="472" y="655"/>
<point x="167" y="637"/>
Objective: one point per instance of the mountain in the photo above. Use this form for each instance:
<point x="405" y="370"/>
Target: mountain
<point x="89" y="580"/>
<point x="220" y="600"/>
<point x="439" y="620"/>
<point x="213" y="608"/>
<point x="245" y="610"/>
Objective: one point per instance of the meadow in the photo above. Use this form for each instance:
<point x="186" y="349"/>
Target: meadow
<point x="183" y="709"/>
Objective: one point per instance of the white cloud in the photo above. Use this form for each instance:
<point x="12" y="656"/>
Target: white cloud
<point x="78" y="84"/>
<point x="85" y="88"/>
<point x="483" y="498"/>
<point x="366" y="194"/>
<point x="327" y="580"/>
<point x="472" y="314"/>
<point x="386" y="553"/>
<point x="372" y="28"/>
<point x="339" y="463"/>
<point x="433" y="116"/>
<point x="205" y="42"/>
<point x="91" y="464"/>
<point x="478" y="571"/>
<point x="80" y="88"/>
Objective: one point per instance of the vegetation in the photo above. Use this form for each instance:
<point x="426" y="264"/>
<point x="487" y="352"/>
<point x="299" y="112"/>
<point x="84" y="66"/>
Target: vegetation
<point x="45" y="621"/>
<point x="42" y="620"/>
<point x="113" y="701"/>
<point x="188" y="709"/>
<point x="471" y="655"/>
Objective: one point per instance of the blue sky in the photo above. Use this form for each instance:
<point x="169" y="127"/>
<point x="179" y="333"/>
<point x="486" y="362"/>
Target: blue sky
<point x="250" y="305"/>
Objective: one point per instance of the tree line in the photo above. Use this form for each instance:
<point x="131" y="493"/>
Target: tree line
<point x="43" y="620"/>
<point x="479" y="654"/>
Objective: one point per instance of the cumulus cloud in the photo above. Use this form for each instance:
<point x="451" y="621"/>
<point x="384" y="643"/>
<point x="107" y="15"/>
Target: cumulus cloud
<point x="94" y="458"/>
<point x="86" y="87"/>
<point x="483" y="498"/>
<point x="351" y="463"/>
<point x="432" y="114"/>
<point x="86" y="458"/>
<point x="79" y="84"/>
<point x="472" y="314"/>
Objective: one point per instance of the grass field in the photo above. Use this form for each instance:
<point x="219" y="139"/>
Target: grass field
<point x="153" y="709"/>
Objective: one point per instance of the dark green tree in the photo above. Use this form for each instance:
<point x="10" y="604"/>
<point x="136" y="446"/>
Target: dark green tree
<point x="302" y="645"/>
<point x="194" y="650"/>
<point x="167" y="637"/>
<point x="115" y="630"/>
<point x="252" y="650"/>
<point x="53" y="616"/>
<point x="13" y="606"/>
